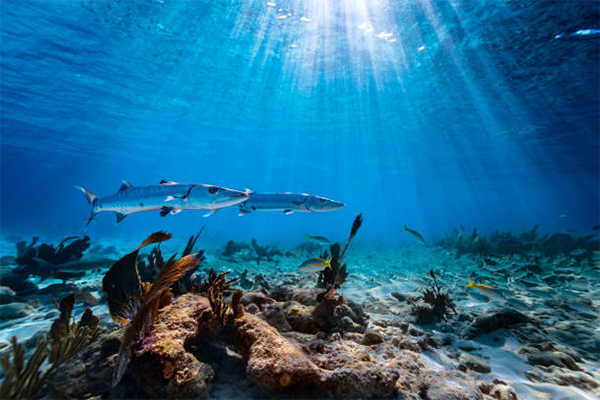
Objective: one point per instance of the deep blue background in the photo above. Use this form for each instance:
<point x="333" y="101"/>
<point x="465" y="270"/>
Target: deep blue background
<point x="430" y="113"/>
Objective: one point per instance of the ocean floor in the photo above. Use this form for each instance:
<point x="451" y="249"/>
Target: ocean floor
<point x="537" y="335"/>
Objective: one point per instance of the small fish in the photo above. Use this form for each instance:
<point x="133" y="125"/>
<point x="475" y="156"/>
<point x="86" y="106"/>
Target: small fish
<point x="561" y="216"/>
<point x="320" y="239"/>
<point x="485" y="288"/>
<point x="416" y="235"/>
<point x="315" y="265"/>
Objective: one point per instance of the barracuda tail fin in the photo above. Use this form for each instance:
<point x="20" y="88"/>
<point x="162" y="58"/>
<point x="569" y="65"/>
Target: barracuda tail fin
<point x="471" y="283"/>
<point x="91" y="198"/>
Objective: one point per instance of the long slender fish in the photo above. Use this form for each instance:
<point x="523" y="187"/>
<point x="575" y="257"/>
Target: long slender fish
<point x="288" y="203"/>
<point x="319" y="239"/>
<point x="168" y="197"/>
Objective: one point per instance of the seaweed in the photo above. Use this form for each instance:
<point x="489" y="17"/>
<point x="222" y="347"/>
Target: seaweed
<point x="191" y="243"/>
<point x="183" y="285"/>
<point x="434" y="303"/>
<point x="267" y="253"/>
<point x="233" y="248"/>
<point x="26" y="253"/>
<point x="215" y="286"/>
<point x="337" y="274"/>
<point x="123" y="285"/>
<point x="137" y="304"/>
<point x="506" y="243"/>
<point x="24" y="380"/>
<point x="148" y="270"/>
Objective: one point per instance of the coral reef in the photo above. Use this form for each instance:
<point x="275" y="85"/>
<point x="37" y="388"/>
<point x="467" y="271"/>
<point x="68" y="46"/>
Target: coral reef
<point x="131" y="302"/>
<point x="61" y="254"/>
<point x="24" y="380"/>
<point x="285" y="336"/>
<point x="232" y="248"/>
<point x="266" y="253"/>
<point x="503" y="243"/>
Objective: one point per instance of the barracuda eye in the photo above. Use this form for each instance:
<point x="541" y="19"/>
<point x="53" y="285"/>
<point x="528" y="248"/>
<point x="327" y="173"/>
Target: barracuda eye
<point x="213" y="190"/>
<point x="322" y="200"/>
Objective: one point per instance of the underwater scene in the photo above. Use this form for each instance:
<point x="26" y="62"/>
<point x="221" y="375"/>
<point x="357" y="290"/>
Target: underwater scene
<point x="299" y="199"/>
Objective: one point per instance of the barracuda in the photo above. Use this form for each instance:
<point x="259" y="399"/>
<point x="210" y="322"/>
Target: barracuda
<point x="288" y="203"/>
<point x="168" y="197"/>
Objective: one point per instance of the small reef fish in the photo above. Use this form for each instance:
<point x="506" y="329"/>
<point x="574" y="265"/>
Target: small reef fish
<point x="315" y="265"/>
<point x="320" y="239"/>
<point x="168" y="197"/>
<point x="416" y="235"/>
<point x="485" y="288"/>
<point x="288" y="203"/>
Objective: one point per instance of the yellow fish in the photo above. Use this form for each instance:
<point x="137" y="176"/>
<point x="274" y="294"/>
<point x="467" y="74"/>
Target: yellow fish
<point x="486" y="288"/>
<point x="315" y="265"/>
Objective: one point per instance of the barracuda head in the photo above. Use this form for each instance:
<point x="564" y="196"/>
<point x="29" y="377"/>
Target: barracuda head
<point x="214" y="197"/>
<point x="321" y="204"/>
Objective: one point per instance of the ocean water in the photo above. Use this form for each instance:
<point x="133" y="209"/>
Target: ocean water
<point x="433" y="114"/>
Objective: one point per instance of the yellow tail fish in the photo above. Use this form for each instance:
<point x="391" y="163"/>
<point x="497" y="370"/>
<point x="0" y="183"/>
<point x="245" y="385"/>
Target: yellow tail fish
<point x="486" y="288"/>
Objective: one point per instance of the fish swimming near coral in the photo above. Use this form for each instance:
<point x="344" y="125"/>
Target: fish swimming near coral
<point x="416" y="235"/>
<point x="168" y="197"/>
<point x="287" y="203"/>
<point x="316" y="264"/>
<point x="486" y="288"/>
<point x="319" y="239"/>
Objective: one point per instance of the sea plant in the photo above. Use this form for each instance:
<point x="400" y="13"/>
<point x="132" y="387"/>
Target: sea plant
<point x="434" y="304"/>
<point x="136" y="304"/>
<point x="24" y="379"/>
<point x="264" y="252"/>
<point x="336" y="275"/>
<point x="61" y="254"/>
<point x="215" y="286"/>
<point x="233" y="247"/>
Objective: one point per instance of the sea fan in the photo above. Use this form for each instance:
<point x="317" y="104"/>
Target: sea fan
<point x="149" y="303"/>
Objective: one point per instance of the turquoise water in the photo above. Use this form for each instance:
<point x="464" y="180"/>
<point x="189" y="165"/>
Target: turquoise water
<point x="433" y="114"/>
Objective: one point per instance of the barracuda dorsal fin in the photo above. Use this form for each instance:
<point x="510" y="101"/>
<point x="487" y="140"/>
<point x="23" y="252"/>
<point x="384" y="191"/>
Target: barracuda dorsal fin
<point x="120" y="217"/>
<point x="125" y="185"/>
<point x="167" y="182"/>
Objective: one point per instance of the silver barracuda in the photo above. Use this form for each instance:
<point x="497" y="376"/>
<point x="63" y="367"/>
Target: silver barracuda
<point x="168" y="197"/>
<point x="288" y="203"/>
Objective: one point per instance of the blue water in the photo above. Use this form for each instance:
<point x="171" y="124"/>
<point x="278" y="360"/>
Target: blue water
<point x="430" y="113"/>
